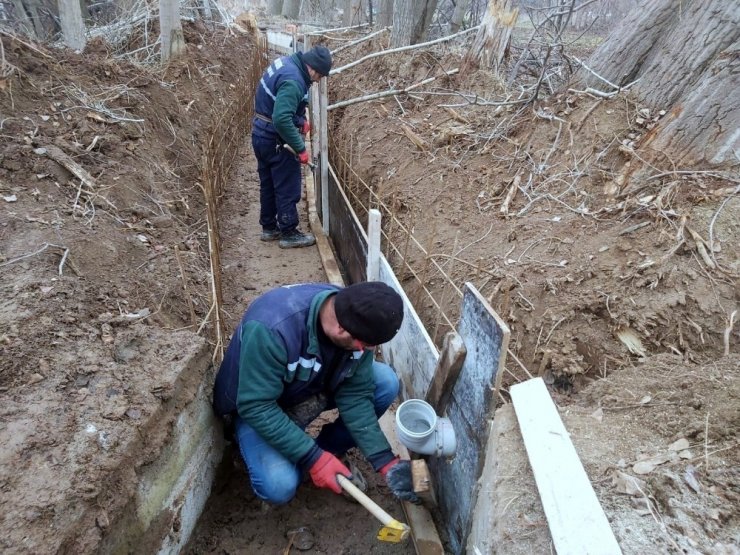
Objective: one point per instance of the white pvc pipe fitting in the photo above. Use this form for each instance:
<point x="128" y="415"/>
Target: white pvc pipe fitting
<point x="422" y="431"/>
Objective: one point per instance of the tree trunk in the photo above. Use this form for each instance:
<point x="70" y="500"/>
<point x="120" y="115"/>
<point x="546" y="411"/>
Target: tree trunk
<point x="353" y="14"/>
<point x="291" y="9"/>
<point x="30" y="12"/>
<point x="403" y="23"/>
<point x="704" y="125"/>
<point x="173" y="41"/>
<point x="491" y="44"/>
<point x="668" y="49"/>
<point x="686" y="61"/>
<point x="458" y="15"/>
<point x="275" y="7"/>
<point x="423" y="18"/>
<point x="73" y="27"/>
<point x="385" y="13"/>
<point x="24" y="20"/>
<point x="207" y="12"/>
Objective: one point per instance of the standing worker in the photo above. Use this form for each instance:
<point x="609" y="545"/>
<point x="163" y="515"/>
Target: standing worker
<point x="280" y="118"/>
<point x="299" y="350"/>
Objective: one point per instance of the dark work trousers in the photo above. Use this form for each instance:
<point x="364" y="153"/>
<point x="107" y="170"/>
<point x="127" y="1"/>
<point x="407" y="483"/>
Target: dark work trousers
<point x="280" y="185"/>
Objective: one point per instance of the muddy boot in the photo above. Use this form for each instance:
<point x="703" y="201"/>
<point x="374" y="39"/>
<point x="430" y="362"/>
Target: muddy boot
<point x="296" y="239"/>
<point x="357" y="479"/>
<point x="270" y="235"/>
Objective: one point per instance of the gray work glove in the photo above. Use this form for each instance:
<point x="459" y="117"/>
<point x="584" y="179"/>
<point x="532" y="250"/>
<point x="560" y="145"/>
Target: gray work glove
<point x="397" y="475"/>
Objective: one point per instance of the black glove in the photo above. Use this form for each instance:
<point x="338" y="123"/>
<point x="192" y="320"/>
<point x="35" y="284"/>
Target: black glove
<point x="398" y="477"/>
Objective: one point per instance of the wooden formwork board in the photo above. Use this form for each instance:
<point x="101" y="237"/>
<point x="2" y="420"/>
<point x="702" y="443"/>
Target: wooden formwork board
<point x="470" y="410"/>
<point x="413" y="354"/>
<point x="347" y="234"/>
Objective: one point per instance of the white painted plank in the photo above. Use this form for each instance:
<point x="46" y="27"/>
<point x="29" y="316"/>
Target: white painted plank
<point x="280" y="42"/>
<point x="411" y="352"/>
<point x="373" y="245"/>
<point x="577" y="522"/>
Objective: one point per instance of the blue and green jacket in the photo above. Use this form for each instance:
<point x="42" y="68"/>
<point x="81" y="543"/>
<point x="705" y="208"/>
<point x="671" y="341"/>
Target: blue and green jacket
<point x="274" y="361"/>
<point x="282" y="96"/>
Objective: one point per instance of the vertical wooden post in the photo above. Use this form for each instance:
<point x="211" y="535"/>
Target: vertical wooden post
<point x="173" y="41"/>
<point x="324" y="144"/>
<point x="313" y="106"/>
<point x="373" y="245"/>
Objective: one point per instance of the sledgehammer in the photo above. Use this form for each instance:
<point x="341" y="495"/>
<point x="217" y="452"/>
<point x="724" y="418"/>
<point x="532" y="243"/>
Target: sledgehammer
<point x="392" y="530"/>
<point x="289" y="148"/>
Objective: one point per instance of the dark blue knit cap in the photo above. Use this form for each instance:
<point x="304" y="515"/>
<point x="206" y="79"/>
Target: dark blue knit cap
<point x="319" y="58"/>
<point x="371" y="311"/>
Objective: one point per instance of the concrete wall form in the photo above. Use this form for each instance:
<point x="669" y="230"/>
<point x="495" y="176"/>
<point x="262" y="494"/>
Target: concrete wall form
<point x="414" y="356"/>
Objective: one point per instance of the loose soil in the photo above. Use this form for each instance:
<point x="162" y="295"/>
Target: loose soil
<point x="97" y="283"/>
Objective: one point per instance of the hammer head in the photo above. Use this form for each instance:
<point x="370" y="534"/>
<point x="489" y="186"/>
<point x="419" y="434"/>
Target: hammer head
<point x="394" y="532"/>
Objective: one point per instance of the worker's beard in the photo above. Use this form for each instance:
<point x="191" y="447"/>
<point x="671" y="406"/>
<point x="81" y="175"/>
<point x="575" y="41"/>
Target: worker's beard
<point x="346" y="343"/>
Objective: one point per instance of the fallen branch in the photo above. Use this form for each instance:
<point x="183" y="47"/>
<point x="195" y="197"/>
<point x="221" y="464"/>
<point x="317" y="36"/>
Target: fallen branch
<point x="595" y="92"/>
<point x="56" y="154"/>
<point x="338" y="29"/>
<point x="392" y="92"/>
<point x="513" y="188"/>
<point x="728" y="331"/>
<point x="42" y="249"/>
<point x="414" y="138"/>
<point x="359" y="41"/>
<point x="701" y="246"/>
<point x="592" y="72"/>
<point x="710" y="173"/>
<point x="714" y="219"/>
<point x="401" y="49"/>
<point x="24" y="43"/>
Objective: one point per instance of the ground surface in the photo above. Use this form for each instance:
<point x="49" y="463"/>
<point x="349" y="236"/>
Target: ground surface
<point x="570" y="282"/>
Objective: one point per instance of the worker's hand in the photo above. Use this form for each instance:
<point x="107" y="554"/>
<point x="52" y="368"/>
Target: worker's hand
<point x="324" y="472"/>
<point x="397" y="475"/>
<point x="306" y="127"/>
<point x="303" y="157"/>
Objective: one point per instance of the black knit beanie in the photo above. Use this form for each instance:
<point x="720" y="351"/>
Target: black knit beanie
<point x="371" y="311"/>
<point x="319" y="58"/>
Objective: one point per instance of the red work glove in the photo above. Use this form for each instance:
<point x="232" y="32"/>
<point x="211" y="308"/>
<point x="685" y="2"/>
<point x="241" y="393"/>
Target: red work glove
<point x="384" y="470"/>
<point x="306" y="127"/>
<point x="303" y="157"/>
<point x="324" y="472"/>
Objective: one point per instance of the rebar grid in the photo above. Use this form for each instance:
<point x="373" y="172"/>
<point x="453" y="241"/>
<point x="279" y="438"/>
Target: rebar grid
<point x="350" y="182"/>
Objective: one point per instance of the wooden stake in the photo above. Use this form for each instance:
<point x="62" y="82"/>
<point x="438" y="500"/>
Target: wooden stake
<point x="449" y="364"/>
<point x="373" y="245"/>
<point x="422" y="482"/>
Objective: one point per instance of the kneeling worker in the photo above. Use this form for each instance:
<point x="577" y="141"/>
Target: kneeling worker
<point x="299" y="350"/>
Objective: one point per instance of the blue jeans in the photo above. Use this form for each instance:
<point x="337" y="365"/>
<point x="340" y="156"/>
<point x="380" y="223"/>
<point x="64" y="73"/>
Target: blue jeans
<point x="274" y="478"/>
<point x="280" y="184"/>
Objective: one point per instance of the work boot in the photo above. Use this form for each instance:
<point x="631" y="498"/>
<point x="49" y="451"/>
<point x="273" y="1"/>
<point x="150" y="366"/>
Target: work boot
<point x="296" y="239"/>
<point x="270" y="235"/>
